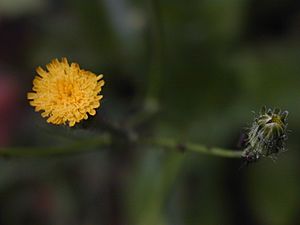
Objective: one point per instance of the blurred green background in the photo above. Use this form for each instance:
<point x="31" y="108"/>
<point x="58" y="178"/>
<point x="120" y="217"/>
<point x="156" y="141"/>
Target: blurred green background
<point x="204" y="65"/>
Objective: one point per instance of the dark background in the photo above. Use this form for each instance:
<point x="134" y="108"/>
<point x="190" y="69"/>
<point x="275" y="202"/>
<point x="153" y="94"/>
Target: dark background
<point x="202" y="65"/>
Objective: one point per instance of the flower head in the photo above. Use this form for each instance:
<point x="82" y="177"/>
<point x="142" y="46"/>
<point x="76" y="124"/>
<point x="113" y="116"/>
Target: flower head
<point x="267" y="135"/>
<point x="65" y="93"/>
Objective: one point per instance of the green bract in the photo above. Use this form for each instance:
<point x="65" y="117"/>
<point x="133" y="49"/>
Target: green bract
<point x="267" y="135"/>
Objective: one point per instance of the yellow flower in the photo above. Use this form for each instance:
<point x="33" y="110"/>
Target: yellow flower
<point x="65" y="93"/>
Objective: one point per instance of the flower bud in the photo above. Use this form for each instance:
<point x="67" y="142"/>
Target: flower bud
<point x="267" y="135"/>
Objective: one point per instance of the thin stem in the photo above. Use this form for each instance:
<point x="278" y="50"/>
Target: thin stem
<point x="191" y="147"/>
<point x="156" y="39"/>
<point x="82" y="146"/>
<point x="156" y="59"/>
<point x="95" y="143"/>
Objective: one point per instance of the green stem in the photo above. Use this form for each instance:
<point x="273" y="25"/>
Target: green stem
<point x="82" y="146"/>
<point x="156" y="59"/>
<point x="156" y="48"/>
<point x="96" y="143"/>
<point x="191" y="147"/>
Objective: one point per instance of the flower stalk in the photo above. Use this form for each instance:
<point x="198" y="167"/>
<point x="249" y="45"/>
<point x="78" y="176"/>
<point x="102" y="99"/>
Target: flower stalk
<point x="266" y="138"/>
<point x="101" y="142"/>
<point x="171" y="144"/>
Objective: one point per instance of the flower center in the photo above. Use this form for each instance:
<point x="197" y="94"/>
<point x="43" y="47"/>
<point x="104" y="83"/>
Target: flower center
<point x="276" y="119"/>
<point x="69" y="93"/>
<point x="66" y="90"/>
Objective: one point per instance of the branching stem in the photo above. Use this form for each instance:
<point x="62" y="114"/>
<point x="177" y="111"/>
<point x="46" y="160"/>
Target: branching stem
<point x="101" y="142"/>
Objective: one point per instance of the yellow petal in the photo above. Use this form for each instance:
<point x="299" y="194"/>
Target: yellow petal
<point x="31" y="95"/>
<point x="92" y="112"/>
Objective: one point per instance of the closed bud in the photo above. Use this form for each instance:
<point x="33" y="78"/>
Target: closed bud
<point x="267" y="135"/>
